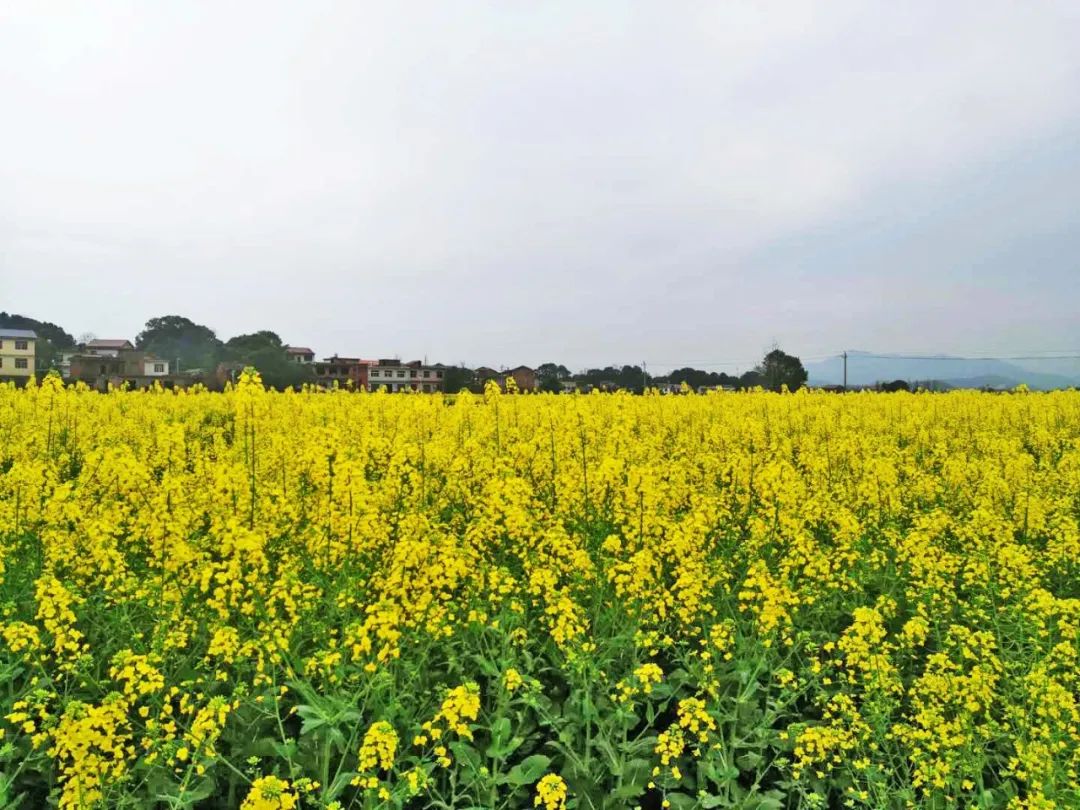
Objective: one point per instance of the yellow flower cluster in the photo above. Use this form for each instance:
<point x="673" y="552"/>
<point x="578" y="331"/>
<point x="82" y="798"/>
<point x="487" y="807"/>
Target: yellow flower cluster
<point x="461" y="704"/>
<point x="376" y="753"/>
<point x="270" y="793"/>
<point x="92" y="746"/>
<point x="840" y="598"/>
<point x="550" y="793"/>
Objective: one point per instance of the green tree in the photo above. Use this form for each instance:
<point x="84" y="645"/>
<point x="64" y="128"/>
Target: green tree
<point x="894" y="386"/>
<point x="266" y="352"/>
<point x="456" y="379"/>
<point x="778" y="369"/>
<point x="695" y="378"/>
<point x="174" y="337"/>
<point x="550" y="376"/>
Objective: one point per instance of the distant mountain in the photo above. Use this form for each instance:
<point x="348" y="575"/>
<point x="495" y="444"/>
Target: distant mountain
<point x="959" y="372"/>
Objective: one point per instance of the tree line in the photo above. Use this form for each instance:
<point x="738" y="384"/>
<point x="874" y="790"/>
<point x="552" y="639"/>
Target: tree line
<point x="776" y="370"/>
<point x="192" y="346"/>
<point x="187" y="345"/>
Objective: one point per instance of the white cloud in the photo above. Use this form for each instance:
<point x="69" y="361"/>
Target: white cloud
<point x="540" y="180"/>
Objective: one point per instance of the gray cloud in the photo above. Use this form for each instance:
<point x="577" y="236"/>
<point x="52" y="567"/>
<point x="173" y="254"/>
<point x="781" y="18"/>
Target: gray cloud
<point x="504" y="182"/>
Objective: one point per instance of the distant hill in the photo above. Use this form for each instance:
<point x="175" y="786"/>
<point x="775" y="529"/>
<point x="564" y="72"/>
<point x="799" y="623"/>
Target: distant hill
<point x="866" y="369"/>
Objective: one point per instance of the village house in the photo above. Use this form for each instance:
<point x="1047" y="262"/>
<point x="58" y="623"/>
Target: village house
<point x="227" y="371"/>
<point x="394" y="375"/>
<point x="17" y="354"/>
<point x="346" y="372"/>
<point x="667" y="387"/>
<point x="523" y="376"/>
<point x="107" y="347"/>
<point x="300" y="354"/>
<point x="117" y="365"/>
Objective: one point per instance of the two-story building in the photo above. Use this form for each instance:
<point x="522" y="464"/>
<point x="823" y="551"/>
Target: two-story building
<point x="347" y="372"/>
<point x="115" y="365"/>
<point x="524" y="378"/>
<point x="17" y="354"/>
<point x="395" y="375"/>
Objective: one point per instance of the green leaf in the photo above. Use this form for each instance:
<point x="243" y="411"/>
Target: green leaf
<point x="500" y="738"/>
<point x="749" y="761"/>
<point x="203" y="790"/>
<point x="285" y="750"/>
<point x="637" y="772"/>
<point x="468" y="760"/>
<point x="312" y="718"/>
<point x="763" y="803"/>
<point x="340" y="783"/>
<point x="261" y="747"/>
<point x="643" y="746"/>
<point x="528" y="770"/>
<point x="681" y="800"/>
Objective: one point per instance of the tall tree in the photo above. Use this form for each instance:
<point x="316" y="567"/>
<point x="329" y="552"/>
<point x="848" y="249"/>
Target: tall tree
<point x="265" y="351"/>
<point x="550" y="376"/>
<point x="174" y="337"/>
<point x="778" y="369"/>
<point x="456" y="379"/>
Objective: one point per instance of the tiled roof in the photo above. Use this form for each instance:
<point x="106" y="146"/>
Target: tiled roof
<point x="107" y="344"/>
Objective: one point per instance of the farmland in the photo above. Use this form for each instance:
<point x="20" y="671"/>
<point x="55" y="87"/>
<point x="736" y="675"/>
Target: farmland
<point x="337" y="600"/>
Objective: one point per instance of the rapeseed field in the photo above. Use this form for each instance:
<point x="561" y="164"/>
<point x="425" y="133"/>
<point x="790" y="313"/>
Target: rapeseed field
<point x="339" y="600"/>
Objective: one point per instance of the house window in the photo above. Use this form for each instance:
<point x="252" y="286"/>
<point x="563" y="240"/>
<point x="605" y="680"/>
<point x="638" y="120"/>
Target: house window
<point x="427" y="388"/>
<point x="401" y="373"/>
<point x="426" y="373"/>
<point x="412" y="373"/>
<point x="159" y="368"/>
<point x="1" y="362"/>
<point x="20" y="362"/>
<point x="374" y="372"/>
<point x="438" y="375"/>
<point x="20" y="345"/>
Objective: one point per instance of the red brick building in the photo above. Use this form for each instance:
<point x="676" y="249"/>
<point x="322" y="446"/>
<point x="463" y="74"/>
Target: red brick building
<point x="347" y="372"/>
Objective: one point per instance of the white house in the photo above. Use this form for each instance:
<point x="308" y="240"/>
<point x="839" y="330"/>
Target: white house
<point x="155" y="367"/>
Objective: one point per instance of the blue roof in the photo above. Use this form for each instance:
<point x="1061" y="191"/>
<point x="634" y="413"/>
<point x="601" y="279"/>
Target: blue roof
<point x="19" y="334"/>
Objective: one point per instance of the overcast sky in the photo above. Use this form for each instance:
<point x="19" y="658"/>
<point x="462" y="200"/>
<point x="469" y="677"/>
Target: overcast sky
<point x="508" y="182"/>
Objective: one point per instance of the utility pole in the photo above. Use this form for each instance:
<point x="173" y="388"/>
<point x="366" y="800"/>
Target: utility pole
<point x="845" y="369"/>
